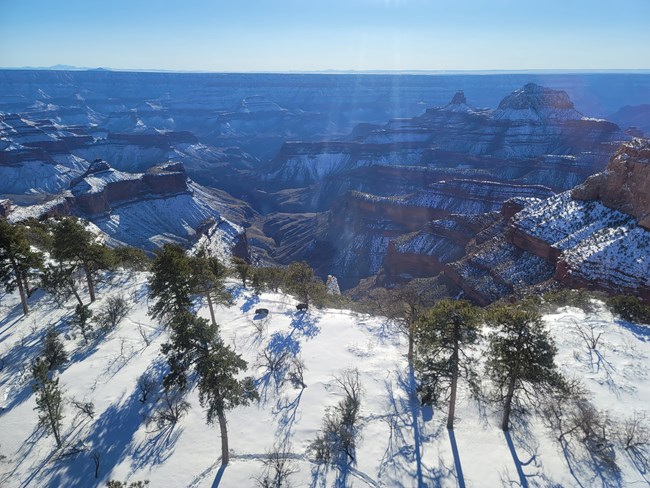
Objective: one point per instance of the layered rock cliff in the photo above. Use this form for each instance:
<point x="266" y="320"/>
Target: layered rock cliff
<point x="625" y="183"/>
<point x="531" y="124"/>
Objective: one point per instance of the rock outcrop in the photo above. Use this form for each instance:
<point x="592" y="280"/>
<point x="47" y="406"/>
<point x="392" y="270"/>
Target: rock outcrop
<point x="102" y="187"/>
<point x="625" y="183"/>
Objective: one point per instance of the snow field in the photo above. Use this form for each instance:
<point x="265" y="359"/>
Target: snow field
<point x="400" y="444"/>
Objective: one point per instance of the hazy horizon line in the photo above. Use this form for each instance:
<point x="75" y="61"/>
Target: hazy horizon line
<point x="60" y="67"/>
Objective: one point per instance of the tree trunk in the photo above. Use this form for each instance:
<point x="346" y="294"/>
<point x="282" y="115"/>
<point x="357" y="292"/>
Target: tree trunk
<point x="28" y="291"/>
<point x="454" y="386"/>
<point x="75" y="292"/>
<point x="207" y="295"/>
<point x="91" y="285"/>
<point x="21" y="289"/>
<point x="53" y="423"/>
<point x="409" y="355"/>
<point x="225" y="456"/>
<point x="23" y="296"/>
<point x="507" y="406"/>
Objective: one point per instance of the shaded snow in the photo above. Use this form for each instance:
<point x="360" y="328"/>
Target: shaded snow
<point x="399" y="444"/>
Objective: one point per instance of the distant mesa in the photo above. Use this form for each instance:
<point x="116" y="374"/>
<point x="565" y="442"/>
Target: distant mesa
<point x="536" y="102"/>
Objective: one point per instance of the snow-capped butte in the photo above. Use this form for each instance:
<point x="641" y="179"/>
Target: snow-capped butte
<point x="534" y="102"/>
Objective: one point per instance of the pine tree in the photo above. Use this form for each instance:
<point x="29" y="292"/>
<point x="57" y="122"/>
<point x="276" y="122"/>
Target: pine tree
<point x="75" y="246"/>
<point x="195" y="348"/>
<point x="171" y="282"/>
<point x="208" y="279"/>
<point x="520" y="356"/>
<point x="220" y="389"/>
<point x="16" y="260"/>
<point x="404" y="305"/>
<point x="49" y="401"/>
<point x="54" y="354"/>
<point x="242" y="268"/>
<point x="81" y="320"/>
<point x="442" y="335"/>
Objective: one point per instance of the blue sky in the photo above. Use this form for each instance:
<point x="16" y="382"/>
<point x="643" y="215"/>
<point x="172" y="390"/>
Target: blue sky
<point x="309" y="35"/>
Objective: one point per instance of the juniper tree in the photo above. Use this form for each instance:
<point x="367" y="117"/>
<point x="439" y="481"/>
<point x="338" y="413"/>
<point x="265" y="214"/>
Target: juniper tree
<point x="268" y="278"/>
<point x="49" y="401"/>
<point x="76" y="247"/>
<point x="131" y="258"/>
<point x="81" y="320"/>
<point x="195" y="348"/>
<point x="170" y="284"/>
<point x="299" y="280"/>
<point x="16" y="260"/>
<point x="442" y="335"/>
<point x="520" y="356"/>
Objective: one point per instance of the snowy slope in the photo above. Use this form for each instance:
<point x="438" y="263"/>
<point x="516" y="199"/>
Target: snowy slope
<point x="400" y="445"/>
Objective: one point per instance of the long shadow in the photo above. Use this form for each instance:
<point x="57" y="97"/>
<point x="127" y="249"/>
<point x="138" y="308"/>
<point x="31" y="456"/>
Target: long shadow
<point x="217" y="479"/>
<point x="306" y="324"/>
<point x="111" y="435"/>
<point x="454" y="449"/>
<point x="415" y="407"/>
<point x="642" y="332"/>
<point x="288" y="411"/>
<point x="250" y="303"/>
<point x="518" y="463"/>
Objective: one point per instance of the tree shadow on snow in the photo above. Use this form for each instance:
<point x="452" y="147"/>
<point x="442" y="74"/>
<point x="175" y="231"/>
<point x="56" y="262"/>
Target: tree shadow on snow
<point x="111" y="435"/>
<point x="287" y="409"/>
<point x="305" y="324"/>
<point x="405" y="443"/>
<point x="641" y="332"/>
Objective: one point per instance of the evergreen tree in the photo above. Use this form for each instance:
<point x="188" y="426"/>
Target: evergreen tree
<point x="242" y="269"/>
<point x="442" y="335"/>
<point x="54" y="353"/>
<point x="520" y="356"/>
<point x="170" y="284"/>
<point x="299" y="280"/>
<point x="58" y="279"/>
<point x="190" y="341"/>
<point x="16" y="261"/>
<point x="49" y="402"/>
<point x="81" y="320"/>
<point x="403" y="305"/>
<point x="220" y="389"/>
<point x="195" y="348"/>
<point x="131" y="258"/>
<point x="208" y="277"/>
<point x="76" y="247"/>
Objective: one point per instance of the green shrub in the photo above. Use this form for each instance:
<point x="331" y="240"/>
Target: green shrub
<point x="629" y="308"/>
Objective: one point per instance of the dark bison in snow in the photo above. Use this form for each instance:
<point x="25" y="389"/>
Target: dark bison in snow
<point x="301" y="307"/>
<point x="262" y="311"/>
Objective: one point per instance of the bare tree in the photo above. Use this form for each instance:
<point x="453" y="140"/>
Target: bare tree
<point x="95" y="457"/>
<point x="634" y="434"/>
<point x="336" y="442"/>
<point x="172" y="408"/>
<point x="278" y="467"/>
<point x="112" y="313"/>
<point x="146" y="385"/>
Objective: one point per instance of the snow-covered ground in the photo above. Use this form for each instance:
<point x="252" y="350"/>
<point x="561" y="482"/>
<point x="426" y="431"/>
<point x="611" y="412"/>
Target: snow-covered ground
<point x="400" y="445"/>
